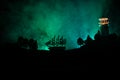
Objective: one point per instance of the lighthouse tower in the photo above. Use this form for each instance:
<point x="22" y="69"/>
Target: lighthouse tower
<point x="104" y="28"/>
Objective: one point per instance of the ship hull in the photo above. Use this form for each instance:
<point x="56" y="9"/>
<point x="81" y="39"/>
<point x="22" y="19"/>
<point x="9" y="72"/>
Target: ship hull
<point x="57" y="49"/>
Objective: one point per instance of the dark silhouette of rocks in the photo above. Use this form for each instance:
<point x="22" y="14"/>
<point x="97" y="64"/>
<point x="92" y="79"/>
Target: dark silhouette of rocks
<point x="92" y="56"/>
<point x="80" y="41"/>
<point x="88" y="40"/>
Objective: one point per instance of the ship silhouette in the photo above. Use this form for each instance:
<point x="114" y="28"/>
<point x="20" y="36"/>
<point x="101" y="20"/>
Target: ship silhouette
<point x="56" y="43"/>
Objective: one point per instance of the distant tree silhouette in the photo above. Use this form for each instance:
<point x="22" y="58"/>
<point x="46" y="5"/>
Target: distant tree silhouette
<point x="27" y="44"/>
<point x="33" y="44"/>
<point x="88" y="40"/>
<point x="20" y="41"/>
<point x="80" y="41"/>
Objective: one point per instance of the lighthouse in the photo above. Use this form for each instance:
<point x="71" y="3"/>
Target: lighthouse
<point x="104" y="28"/>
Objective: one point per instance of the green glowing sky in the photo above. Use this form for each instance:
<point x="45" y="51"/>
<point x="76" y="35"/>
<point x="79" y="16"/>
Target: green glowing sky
<point x="42" y="19"/>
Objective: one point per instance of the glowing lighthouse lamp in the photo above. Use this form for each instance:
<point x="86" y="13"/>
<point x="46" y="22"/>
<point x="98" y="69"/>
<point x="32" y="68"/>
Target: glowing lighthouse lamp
<point x="103" y="21"/>
<point x="103" y="24"/>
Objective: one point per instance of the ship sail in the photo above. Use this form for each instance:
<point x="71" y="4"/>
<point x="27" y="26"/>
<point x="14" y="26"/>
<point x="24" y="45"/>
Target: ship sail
<point x="56" y="42"/>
